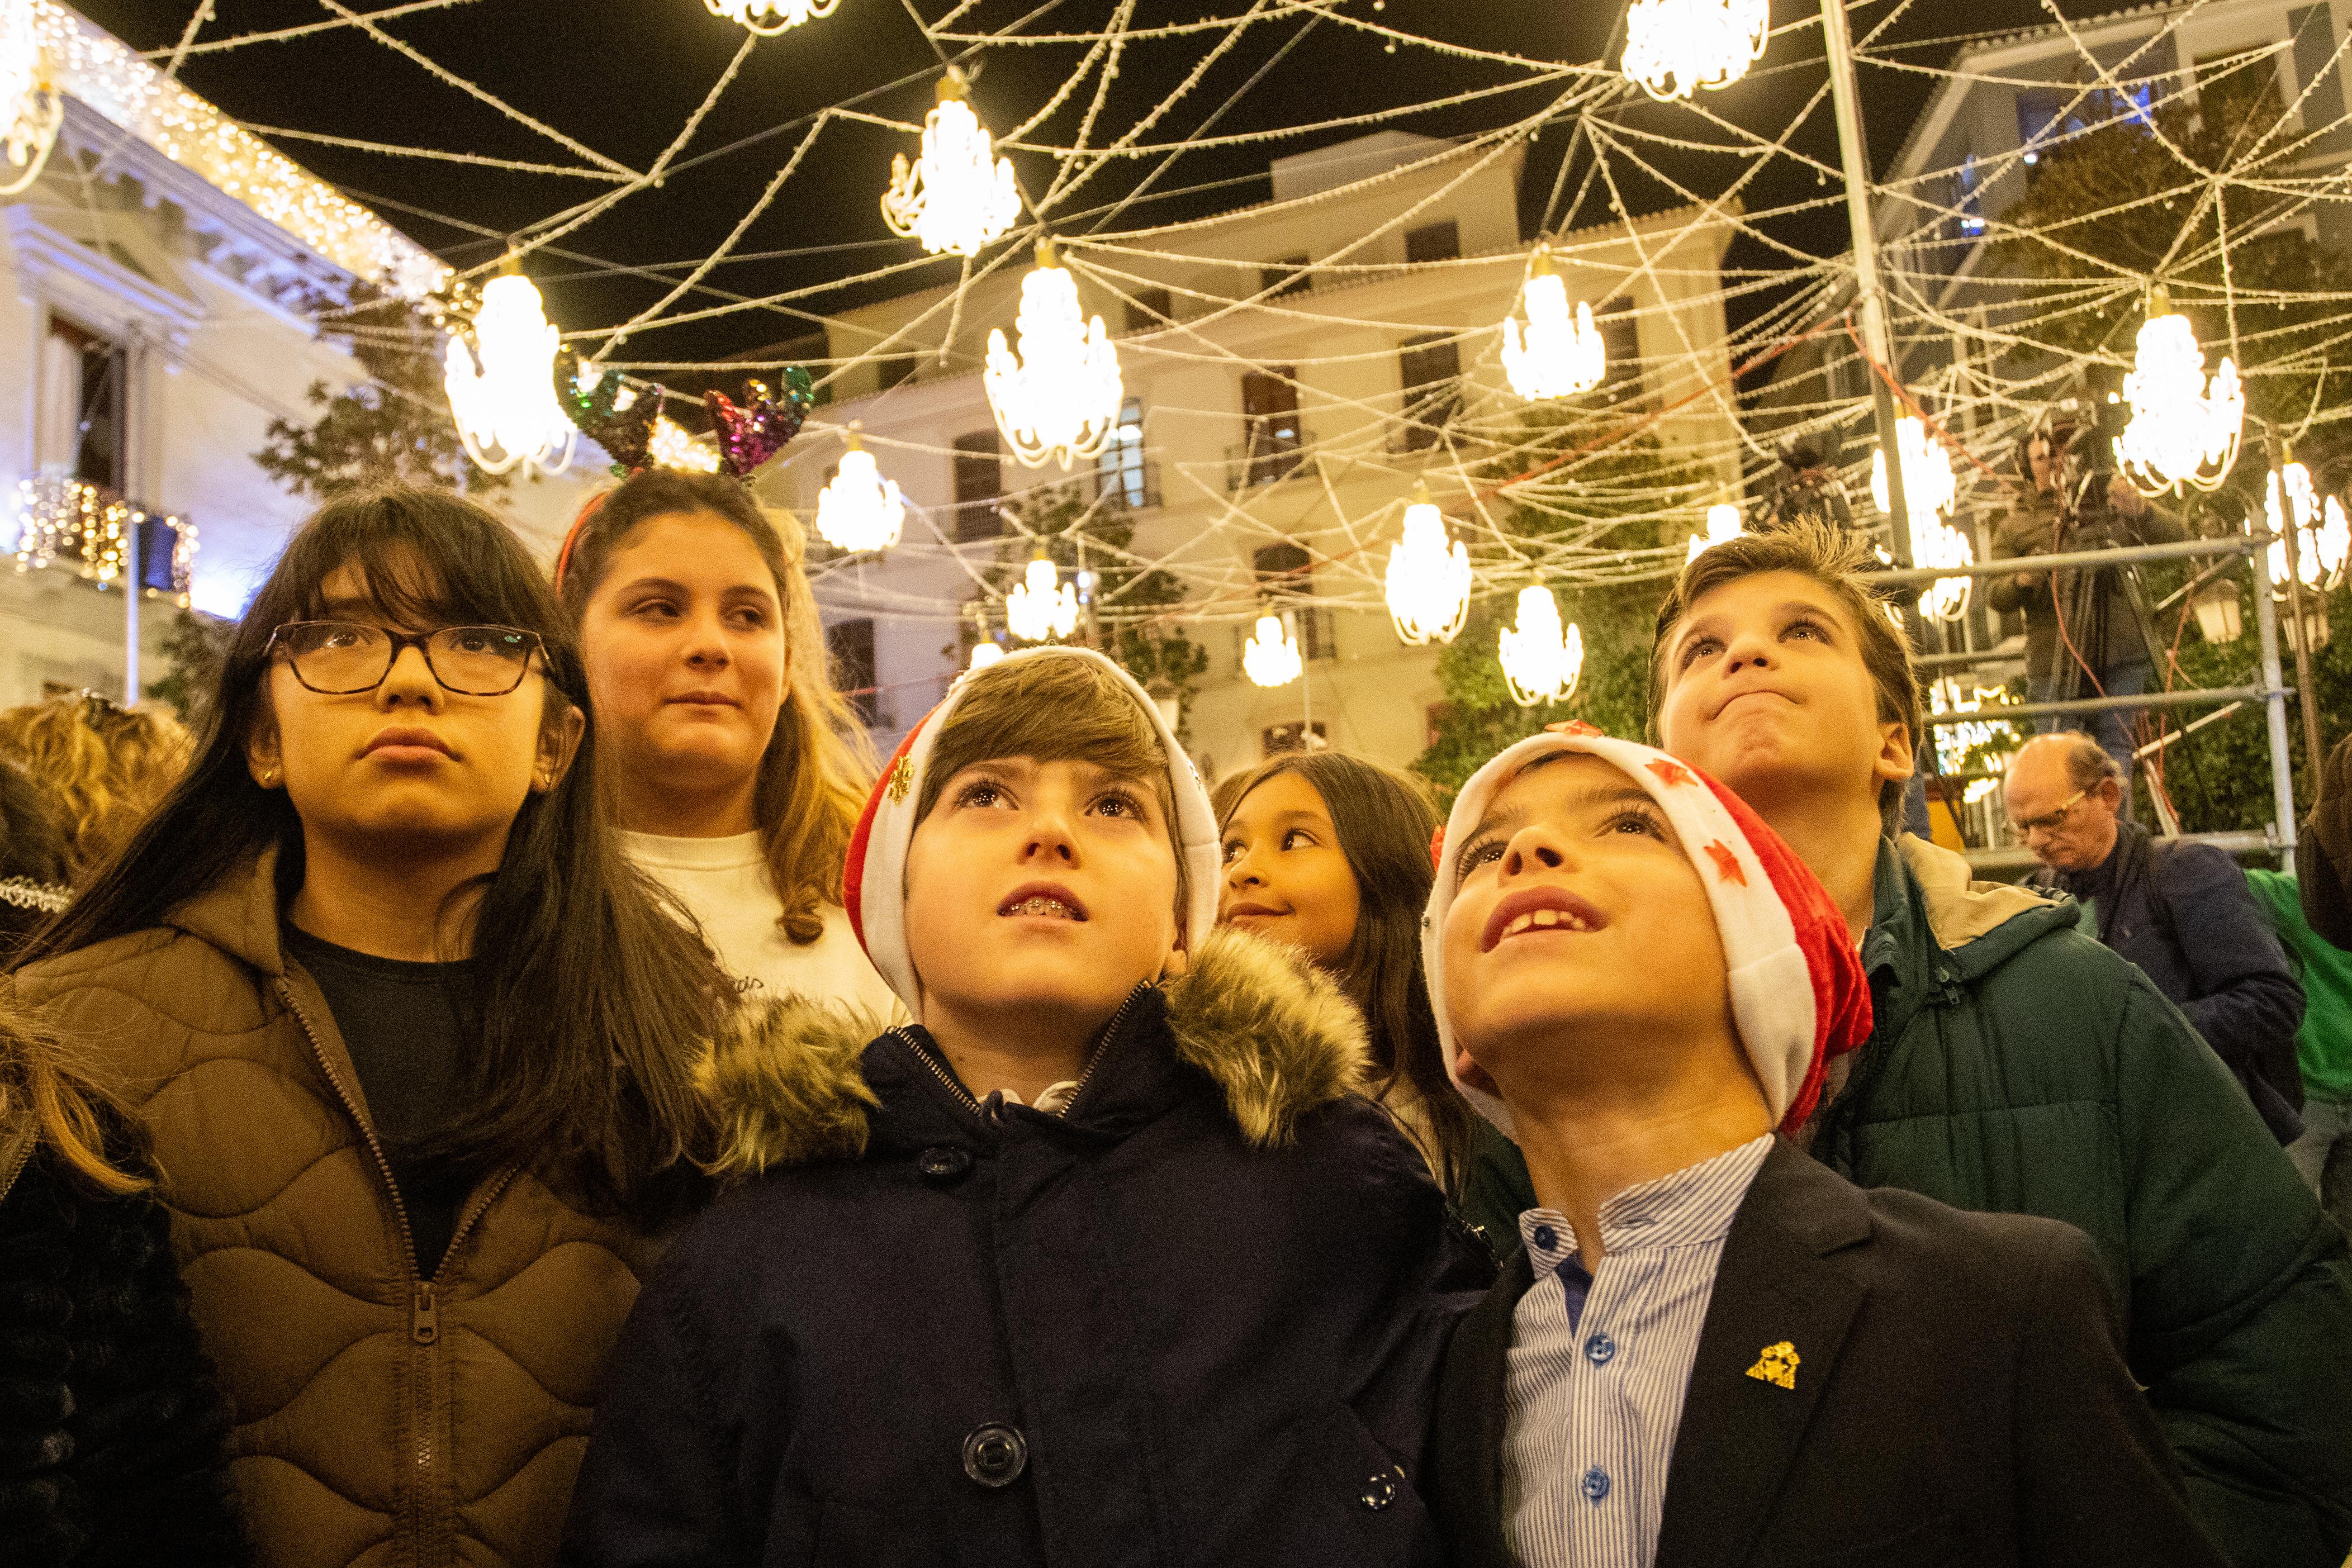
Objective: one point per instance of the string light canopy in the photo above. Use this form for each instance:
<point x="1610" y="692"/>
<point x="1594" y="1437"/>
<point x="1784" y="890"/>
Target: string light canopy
<point x="1541" y="661"/>
<point x="32" y="107"/>
<point x="1557" y="354"/>
<point x="859" y="510"/>
<point x="1041" y="606"/>
<point x="2184" y="429"/>
<point x="1722" y="526"/>
<point x="770" y="17"/>
<point x="1060" y="400"/>
<point x="1428" y="579"/>
<point x="1930" y="493"/>
<point x="2322" y="538"/>
<point x="503" y="393"/>
<point x="958" y="195"/>
<point x="1270" y="657"/>
<point x="1674" y="46"/>
<point x="671" y="447"/>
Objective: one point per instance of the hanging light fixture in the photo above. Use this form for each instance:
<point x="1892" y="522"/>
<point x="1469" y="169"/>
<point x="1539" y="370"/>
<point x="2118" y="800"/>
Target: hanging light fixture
<point x="2322" y="538"/>
<point x="1428" y="580"/>
<point x="770" y="17"/>
<point x="958" y="195"/>
<point x="1930" y="493"/>
<point x="2184" y="430"/>
<point x="859" y="510"/>
<point x="502" y="392"/>
<point x="1542" y="663"/>
<point x="1674" y="45"/>
<point x="1041" y="606"/>
<point x="1270" y="657"/>
<point x="669" y="447"/>
<point x="1060" y="400"/>
<point x="985" y="653"/>
<point x="1556" y="356"/>
<point x="1722" y="526"/>
<point x="31" y="108"/>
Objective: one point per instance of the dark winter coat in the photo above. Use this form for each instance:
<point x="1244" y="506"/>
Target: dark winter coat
<point x="113" y="1439"/>
<point x="2017" y="1066"/>
<point x="1960" y="1398"/>
<point x="2116" y="640"/>
<point x="1193" y="1321"/>
<point x="2182" y="912"/>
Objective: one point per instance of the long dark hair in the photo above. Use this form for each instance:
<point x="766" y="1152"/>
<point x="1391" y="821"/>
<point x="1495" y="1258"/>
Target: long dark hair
<point x="814" y="772"/>
<point x="592" y="1004"/>
<point x="1384" y="819"/>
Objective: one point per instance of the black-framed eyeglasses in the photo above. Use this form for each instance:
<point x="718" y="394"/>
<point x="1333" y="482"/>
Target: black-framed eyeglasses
<point x="341" y="658"/>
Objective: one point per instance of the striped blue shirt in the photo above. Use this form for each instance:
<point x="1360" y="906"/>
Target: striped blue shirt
<point x="1599" y="1363"/>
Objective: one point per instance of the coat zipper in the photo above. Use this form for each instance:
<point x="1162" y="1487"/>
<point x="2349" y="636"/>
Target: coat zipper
<point x="1110" y="1032"/>
<point x="1102" y="1046"/>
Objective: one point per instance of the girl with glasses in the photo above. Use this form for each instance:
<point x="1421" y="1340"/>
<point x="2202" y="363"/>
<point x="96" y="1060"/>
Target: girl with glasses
<point x="414" y="1044"/>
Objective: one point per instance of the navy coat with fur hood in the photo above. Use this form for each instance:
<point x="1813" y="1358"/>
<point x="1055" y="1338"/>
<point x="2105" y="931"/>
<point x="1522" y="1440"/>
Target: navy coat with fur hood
<point x="1193" y="1322"/>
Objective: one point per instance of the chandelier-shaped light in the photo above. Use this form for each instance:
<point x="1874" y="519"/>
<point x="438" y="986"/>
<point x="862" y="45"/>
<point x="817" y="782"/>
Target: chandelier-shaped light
<point x="1041" y="606"/>
<point x="1060" y="400"/>
<point x="1270" y="657"/>
<point x="1674" y="45"/>
<point x="1542" y="663"/>
<point x="31" y="108"/>
<point x="1557" y="355"/>
<point x="1930" y="493"/>
<point x="503" y="393"/>
<point x="860" y="510"/>
<point x="958" y="195"/>
<point x="670" y="446"/>
<point x="770" y="17"/>
<point x="2322" y="539"/>
<point x="986" y="651"/>
<point x="1428" y="579"/>
<point x="2184" y="430"/>
<point x="1722" y="526"/>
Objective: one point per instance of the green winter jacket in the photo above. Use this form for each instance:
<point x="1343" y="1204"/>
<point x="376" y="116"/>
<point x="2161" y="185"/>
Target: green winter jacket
<point x="2016" y="1066"/>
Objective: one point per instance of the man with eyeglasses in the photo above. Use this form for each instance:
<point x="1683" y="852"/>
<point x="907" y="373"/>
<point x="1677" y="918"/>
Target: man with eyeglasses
<point x="2180" y="910"/>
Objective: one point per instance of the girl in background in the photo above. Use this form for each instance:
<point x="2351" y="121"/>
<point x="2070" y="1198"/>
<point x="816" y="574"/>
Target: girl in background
<point x="34" y="869"/>
<point x="734" y="769"/>
<point x="106" y="764"/>
<point x="414" y="1044"/>
<point x="1329" y="853"/>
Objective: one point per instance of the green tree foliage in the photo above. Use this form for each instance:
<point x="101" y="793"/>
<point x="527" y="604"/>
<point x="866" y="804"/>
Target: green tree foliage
<point x="197" y="646"/>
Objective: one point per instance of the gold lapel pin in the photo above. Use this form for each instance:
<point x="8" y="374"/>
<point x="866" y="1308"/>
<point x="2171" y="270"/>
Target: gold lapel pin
<point x="1777" y="1364"/>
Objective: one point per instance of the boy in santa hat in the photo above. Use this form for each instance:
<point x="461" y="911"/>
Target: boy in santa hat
<point x="1714" y="1351"/>
<point x="1102" y="1260"/>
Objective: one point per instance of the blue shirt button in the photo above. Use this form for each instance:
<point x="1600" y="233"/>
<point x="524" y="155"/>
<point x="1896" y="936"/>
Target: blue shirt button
<point x="1547" y="1237"/>
<point x="1599" y="1349"/>
<point x="1596" y="1484"/>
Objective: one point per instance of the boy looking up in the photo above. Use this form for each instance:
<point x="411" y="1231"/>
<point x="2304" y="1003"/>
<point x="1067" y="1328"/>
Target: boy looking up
<point x="1101" y="1262"/>
<point x="2017" y="1066"/>
<point x="1712" y="1351"/>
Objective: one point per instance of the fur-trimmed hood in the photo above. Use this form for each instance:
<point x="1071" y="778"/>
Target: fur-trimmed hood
<point x="1276" y="1036"/>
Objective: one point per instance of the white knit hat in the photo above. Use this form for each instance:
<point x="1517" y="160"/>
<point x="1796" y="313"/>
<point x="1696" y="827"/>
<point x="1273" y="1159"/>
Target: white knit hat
<point x="875" y="880"/>
<point x="1798" y="993"/>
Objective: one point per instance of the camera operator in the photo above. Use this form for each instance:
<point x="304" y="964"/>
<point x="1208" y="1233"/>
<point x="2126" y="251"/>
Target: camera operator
<point x="2083" y="636"/>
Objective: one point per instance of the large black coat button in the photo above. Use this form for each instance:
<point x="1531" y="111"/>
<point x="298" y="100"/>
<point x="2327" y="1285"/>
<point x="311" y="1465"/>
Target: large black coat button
<point x="943" y="1162"/>
<point x="1380" y="1489"/>
<point x="995" y="1455"/>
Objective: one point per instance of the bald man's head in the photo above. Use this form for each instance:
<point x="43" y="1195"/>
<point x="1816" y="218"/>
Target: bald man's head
<point x="2063" y="794"/>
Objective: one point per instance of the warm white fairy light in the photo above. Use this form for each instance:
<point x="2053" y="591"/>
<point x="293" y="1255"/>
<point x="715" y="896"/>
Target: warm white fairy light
<point x="1428" y="579"/>
<point x="2322" y="539"/>
<point x="1559" y="354"/>
<point x="2184" y="430"/>
<point x="31" y="110"/>
<point x="503" y="391"/>
<point x="770" y="17"/>
<point x="1955" y="742"/>
<point x="1674" y="45"/>
<point x="670" y="446"/>
<point x="1930" y="493"/>
<point x="1270" y="657"/>
<point x="1722" y="526"/>
<point x="1060" y="400"/>
<point x="958" y="195"/>
<point x="1041" y="606"/>
<point x="1541" y="661"/>
<point x="859" y="510"/>
<point x="59" y="518"/>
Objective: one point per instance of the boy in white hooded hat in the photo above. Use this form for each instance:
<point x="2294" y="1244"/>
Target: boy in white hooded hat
<point x="1101" y="1261"/>
<point x="1714" y="1351"/>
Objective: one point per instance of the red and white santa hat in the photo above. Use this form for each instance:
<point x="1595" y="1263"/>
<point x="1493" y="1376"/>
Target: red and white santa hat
<point x="1798" y="993"/>
<point x="874" y="883"/>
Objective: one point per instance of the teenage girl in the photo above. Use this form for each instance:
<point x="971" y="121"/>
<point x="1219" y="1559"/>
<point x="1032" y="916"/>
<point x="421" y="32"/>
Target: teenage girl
<point x="735" y="770"/>
<point x="1329" y="853"/>
<point x="415" y="1045"/>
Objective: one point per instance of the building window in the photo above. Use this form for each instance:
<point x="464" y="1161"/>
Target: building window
<point x="1121" y="470"/>
<point x="979" y="485"/>
<point x="85" y="406"/>
<point x="1967" y="195"/>
<point x="1271" y="435"/>
<point x="1430" y="370"/>
<point x="1432" y="242"/>
<point x="1621" y="341"/>
<point x="1287" y="276"/>
<point x="851" y="645"/>
<point x="896" y="371"/>
<point x="1147" y="309"/>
